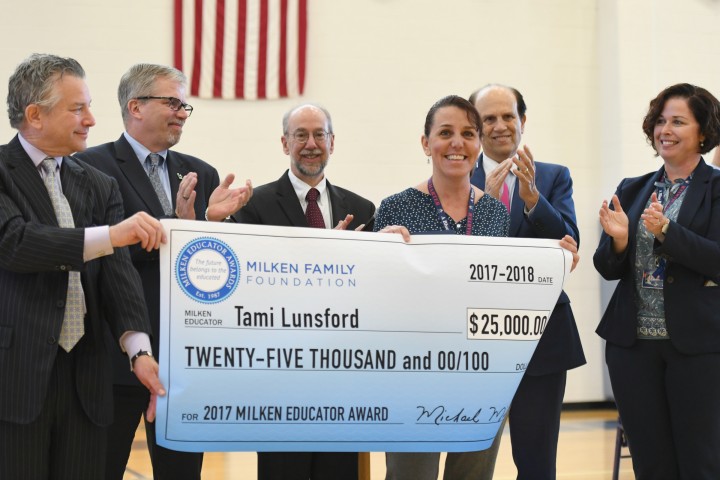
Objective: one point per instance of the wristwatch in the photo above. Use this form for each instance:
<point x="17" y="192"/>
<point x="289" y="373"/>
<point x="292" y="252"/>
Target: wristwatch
<point x="207" y="219"/>
<point x="141" y="353"/>
<point x="664" y="228"/>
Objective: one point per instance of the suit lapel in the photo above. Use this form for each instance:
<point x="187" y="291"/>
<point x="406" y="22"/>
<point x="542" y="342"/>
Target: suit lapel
<point x="177" y="169"/>
<point x="517" y="207"/>
<point x="338" y="207"/>
<point x="695" y="194"/>
<point x="76" y="189"/>
<point x="137" y="177"/>
<point x="638" y="206"/>
<point x="479" y="175"/>
<point x="289" y="203"/>
<point x="27" y="178"/>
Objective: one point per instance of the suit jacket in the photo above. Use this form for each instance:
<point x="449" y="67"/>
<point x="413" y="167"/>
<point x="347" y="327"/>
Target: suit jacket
<point x="692" y="249"/>
<point x="559" y="348"/>
<point x="118" y="160"/>
<point x="276" y="203"/>
<point x="35" y="257"/>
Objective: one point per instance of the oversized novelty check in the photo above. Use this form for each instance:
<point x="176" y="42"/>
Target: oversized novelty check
<point x="305" y="339"/>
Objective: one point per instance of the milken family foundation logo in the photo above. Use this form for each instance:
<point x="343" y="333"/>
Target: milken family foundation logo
<point x="207" y="270"/>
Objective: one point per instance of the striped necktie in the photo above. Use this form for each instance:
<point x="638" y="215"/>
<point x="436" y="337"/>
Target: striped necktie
<point x="73" y="327"/>
<point x="152" y="161"/>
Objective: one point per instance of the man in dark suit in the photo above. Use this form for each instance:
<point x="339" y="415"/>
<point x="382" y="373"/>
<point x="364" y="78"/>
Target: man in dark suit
<point x="290" y="201"/>
<point x="152" y="101"/>
<point x="63" y="275"/>
<point x="539" y="198"/>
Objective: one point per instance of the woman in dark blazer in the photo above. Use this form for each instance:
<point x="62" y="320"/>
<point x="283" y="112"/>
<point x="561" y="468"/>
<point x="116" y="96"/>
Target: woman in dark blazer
<point x="661" y="239"/>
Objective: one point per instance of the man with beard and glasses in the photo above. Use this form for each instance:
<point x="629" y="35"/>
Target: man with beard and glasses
<point x="303" y="197"/>
<point x="165" y="184"/>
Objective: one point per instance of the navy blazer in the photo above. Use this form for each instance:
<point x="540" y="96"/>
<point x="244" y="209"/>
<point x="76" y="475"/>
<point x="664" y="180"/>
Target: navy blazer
<point x="559" y="348"/>
<point x="276" y="203"/>
<point x="119" y="160"/>
<point x="35" y="257"/>
<point x="692" y="249"/>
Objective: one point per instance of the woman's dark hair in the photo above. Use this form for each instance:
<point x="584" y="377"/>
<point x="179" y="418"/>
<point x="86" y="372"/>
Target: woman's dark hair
<point x="704" y="106"/>
<point x="453" y="101"/>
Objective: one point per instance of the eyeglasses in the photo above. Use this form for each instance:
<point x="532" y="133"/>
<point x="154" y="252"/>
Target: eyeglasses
<point x="175" y="104"/>
<point x="301" y="136"/>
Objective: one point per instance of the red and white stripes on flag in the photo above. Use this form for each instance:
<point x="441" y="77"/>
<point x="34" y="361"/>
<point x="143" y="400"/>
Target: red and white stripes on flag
<point x="251" y="49"/>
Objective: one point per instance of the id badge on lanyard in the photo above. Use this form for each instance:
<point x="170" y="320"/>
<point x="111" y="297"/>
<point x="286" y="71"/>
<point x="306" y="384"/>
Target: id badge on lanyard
<point x="444" y="217"/>
<point x="653" y="277"/>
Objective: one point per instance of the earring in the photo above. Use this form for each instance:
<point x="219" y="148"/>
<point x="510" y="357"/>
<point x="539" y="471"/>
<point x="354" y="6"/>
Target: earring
<point x="428" y="160"/>
<point x="702" y="144"/>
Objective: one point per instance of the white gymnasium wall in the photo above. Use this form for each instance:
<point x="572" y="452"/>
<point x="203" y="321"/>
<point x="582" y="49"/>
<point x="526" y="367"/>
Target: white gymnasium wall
<point x="587" y="69"/>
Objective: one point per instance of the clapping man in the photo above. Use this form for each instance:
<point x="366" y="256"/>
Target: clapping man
<point x="164" y="184"/>
<point x="539" y="199"/>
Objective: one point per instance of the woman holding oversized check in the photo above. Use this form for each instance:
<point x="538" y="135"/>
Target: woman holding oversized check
<point x="446" y="203"/>
<point x="662" y="241"/>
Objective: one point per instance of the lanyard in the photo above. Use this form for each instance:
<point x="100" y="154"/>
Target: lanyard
<point x="444" y="217"/>
<point x="664" y="185"/>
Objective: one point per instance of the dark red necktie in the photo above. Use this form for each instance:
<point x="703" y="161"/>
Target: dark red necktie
<point x="312" y="212"/>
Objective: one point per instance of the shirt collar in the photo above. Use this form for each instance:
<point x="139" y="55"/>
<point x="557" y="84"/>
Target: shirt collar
<point x="489" y="164"/>
<point x="301" y="188"/>
<point x="141" y="150"/>
<point x="35" y="154"/>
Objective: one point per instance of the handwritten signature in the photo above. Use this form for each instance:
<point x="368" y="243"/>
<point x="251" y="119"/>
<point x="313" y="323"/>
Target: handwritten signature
<point x="440" y="415"/>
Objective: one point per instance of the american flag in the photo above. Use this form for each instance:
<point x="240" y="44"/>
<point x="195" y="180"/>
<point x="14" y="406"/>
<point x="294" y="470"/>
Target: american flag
<point x="250" y="49"/>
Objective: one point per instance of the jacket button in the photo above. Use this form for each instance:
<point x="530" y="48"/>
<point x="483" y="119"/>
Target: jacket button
<point x="63" y="267"/>
<point x="51" y="340"/>
<point x="60" y="303"/>
<point x="670" y="279"/>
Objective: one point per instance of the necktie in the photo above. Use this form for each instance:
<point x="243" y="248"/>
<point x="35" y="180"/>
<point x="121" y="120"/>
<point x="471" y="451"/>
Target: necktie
<point x="505" y="196"/>
<point x="153" y="160"/>
<point x="73" y="326"/>
<point x="312" y="212"/>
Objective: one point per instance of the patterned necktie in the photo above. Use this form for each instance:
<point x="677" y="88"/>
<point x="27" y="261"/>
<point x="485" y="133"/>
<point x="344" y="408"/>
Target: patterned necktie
<point x="312" y="212"/>
<point x="152" y="161"/>
<point x="505" y="196"/>
<point x="73" y="326"/>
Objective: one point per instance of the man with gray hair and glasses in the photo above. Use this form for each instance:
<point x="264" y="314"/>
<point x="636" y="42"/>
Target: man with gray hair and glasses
<point x="165" y="184"/>
<point x="65" y="277"/>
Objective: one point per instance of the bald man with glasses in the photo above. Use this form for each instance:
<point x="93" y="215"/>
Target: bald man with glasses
<point x="165" y="184"/>
<point x="303" y="197"/>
